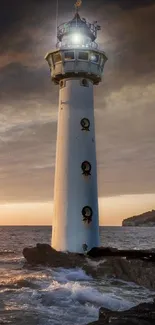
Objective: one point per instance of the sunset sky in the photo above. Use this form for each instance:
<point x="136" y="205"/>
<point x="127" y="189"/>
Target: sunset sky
<point x="124" y="108"/>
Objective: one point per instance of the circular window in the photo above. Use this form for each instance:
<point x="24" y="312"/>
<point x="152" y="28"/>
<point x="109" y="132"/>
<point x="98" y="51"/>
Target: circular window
<point x="85" y="123"/>
<point x="86" y="168"/>
<point x="87" y="214"/>
<point x="84" y="83"/>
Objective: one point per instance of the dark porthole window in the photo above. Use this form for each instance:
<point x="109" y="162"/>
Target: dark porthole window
<point x="86" y="168"/>
<point x="84" y="83"/>
<point x="85" y="123"/>
<point x="87" y="214"/>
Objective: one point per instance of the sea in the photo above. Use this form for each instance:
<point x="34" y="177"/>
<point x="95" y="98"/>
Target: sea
<point x="42" y="295"/>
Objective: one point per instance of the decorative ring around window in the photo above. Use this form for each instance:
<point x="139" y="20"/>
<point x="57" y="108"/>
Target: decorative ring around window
<point x="84" y="83"/>
<point x="86" y="168"/>
<point x="87" y="213"/>
<point x="85" y="123"/>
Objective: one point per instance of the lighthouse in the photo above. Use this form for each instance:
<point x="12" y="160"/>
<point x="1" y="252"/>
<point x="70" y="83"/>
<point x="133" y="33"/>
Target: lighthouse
<point x="76" y="66"/>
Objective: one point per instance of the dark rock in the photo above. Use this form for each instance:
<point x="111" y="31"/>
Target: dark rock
<point x="46" y="255"/>
<point x="137" y="271"/>
<point x="148" y="255"/>
<point x="102" y="251"/>
<point x="105" y="262"/>
<point x="143" y="314"/>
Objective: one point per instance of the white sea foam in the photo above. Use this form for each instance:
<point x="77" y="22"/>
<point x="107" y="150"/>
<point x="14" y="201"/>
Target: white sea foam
<point x="95" y="264"/>
<point x="64" y="275"/>
<point x="67" y="294"/>
<point x="70" y="286"/>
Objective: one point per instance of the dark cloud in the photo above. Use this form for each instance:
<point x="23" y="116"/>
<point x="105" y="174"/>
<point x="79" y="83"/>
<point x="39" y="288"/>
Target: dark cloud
<point x="132" y="4"/>
<point x="27" y="163"/>
<point x="17" y="79"/>
<point x="124" y="101"/>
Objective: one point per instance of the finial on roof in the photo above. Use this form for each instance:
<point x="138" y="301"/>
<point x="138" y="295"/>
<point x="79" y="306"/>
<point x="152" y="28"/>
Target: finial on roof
<point x="78" y="5"/>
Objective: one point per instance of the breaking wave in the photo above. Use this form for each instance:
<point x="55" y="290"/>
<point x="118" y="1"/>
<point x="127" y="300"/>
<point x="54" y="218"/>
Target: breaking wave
<point x="54" y="294"/>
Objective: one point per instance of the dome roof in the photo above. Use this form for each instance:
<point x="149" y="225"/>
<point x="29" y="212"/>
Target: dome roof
<point x="77" y="21"/>
<point x="76" y="25"/>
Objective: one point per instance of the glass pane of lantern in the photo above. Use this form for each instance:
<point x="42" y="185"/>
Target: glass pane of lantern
<point x="83" y="56"/>
<point x="94" y="57"/>
<point x="69" y="55"/>
<point x="56" y="57"/>
<point x="102" y="61"/>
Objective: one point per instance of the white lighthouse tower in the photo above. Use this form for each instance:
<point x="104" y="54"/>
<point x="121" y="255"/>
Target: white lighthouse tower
<point x="76" y="65"/>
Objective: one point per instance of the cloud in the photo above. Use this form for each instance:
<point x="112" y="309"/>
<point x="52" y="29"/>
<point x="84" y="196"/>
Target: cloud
<point x="124" y="102"/>
<point x="132" y="5"/>
<point x="18" y="80"/>
<point x="126" y="154"/>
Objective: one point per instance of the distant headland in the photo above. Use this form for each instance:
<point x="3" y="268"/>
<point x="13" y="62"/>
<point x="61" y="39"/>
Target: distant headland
<point x="146" y="219"/>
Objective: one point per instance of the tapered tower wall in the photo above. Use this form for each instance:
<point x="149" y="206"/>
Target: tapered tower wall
<point x="73" y="190"/>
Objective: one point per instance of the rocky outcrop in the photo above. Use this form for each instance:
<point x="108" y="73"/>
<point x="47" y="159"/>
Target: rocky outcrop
<point x="146" y="219"/>
<point x="46" y="255"/>
<point x="137" y="271"/>
<point x="129" y="265"/>
<point x="143" y="314"/>
<point x="148" y="255"/>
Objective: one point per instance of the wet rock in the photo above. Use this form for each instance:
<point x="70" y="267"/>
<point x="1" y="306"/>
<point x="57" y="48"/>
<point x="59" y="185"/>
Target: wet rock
<point x="109" y="264"/>
<point x="148" y="255"/>
<point x="46" y="255"/>
<point x="137" y="271"/>
<point x="102" y="251"/>
<point x="143" y="314"/>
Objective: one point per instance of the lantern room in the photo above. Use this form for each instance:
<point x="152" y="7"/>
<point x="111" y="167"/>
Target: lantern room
<point x="77" y="53"/>
<point x="78" y="33"/>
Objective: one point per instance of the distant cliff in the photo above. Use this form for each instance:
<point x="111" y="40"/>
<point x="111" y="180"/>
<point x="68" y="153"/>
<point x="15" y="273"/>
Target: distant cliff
<point x="146" y="219"/>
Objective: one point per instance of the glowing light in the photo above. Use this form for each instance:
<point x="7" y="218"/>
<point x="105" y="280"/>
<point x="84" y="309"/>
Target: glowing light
<point x="77" y="38"/>
<point x="93" y="57"/>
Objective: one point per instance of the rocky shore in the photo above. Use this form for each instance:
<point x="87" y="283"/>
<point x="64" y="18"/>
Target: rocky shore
<point x="143" y="314"/>
<point x="136" y="266"/>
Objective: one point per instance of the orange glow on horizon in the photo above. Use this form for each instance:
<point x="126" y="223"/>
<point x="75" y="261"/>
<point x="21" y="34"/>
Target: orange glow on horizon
<point x="112" y="210"/>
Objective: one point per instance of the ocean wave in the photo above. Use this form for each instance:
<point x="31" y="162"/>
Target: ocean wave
<point x="67" y="294"/>
<point x="19" y="281"/>
<point x="64" y="275"/>
<point x="18" y="285"/>
<point x="6" y="252"/>
<point x="7" y="259"/>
